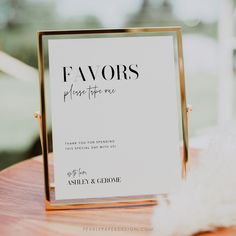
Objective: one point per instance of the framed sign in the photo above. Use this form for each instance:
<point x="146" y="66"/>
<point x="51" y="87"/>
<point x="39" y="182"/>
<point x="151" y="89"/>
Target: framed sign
<point x="116" y="111"/>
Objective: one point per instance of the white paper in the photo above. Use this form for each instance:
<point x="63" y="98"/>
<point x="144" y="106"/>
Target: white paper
<point x="114" y="116"/>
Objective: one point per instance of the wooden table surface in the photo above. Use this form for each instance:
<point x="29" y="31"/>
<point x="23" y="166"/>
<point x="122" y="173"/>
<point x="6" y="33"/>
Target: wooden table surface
<point x="22" y="210"/>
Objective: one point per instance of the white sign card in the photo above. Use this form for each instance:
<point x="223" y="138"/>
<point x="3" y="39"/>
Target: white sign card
<point x="114" y="116"/>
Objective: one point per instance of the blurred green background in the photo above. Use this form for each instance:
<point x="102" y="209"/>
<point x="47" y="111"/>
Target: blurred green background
<point x="209" y="53"/>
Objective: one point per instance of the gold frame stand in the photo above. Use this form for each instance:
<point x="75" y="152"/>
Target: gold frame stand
<point x="50" y="202"/>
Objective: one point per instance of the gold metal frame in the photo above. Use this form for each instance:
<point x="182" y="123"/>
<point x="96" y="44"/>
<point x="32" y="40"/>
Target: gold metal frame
<point x="112" y="202"/>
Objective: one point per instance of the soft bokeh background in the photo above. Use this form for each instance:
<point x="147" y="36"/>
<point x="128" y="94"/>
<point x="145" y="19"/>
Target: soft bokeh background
<point x="209" y="52"/>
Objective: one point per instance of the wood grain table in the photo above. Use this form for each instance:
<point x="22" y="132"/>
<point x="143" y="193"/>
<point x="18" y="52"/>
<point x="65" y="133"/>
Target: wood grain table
<point x="22" y="210"/>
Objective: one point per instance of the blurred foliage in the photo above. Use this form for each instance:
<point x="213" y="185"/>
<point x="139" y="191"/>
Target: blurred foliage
<point x="21" y="19"/>
<point x="161" y="14"/>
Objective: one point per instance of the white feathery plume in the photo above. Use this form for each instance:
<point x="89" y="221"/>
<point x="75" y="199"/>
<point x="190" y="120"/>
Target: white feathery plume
<point x="206" y="200"/>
